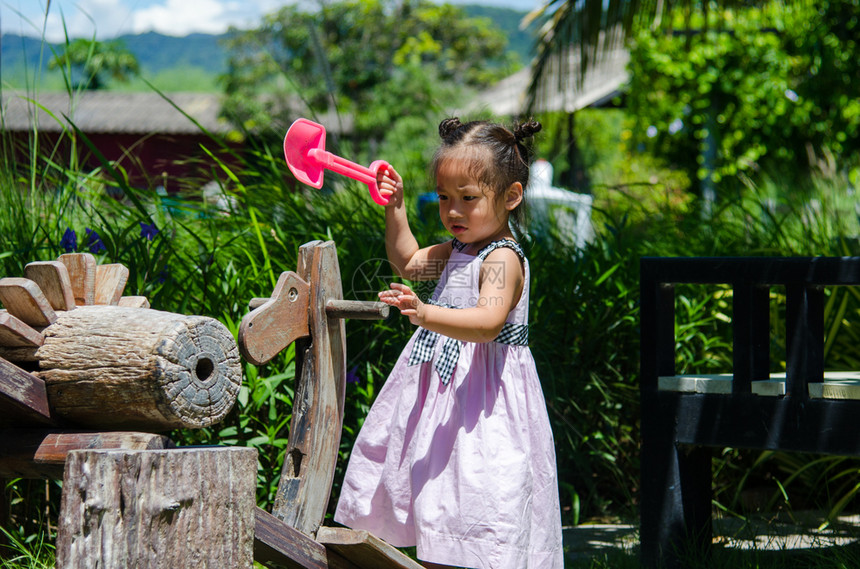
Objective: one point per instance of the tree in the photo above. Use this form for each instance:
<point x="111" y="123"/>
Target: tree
<point x="89" y="61"/>
<point x="596" y="26"/>
<point x="763" y="89"/>
<point x="369" y="59"/>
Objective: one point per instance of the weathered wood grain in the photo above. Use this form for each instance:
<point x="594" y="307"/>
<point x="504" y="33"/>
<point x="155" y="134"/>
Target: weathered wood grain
<point x="23" y="397"/>
<point x="188" y="508"/>
<point x="16" y="334"/>
<point x="24" y="299"/>
<point x="364" y="550"/>
<point x="53" y="278"/>
<point x="40" y="453"/>
<point x="277" y="322"/>
<point x="82" y="274"/>
<point x="131" y="368"/>
<point x="110" y="282"/>
<point x="306" y="478"/>
<point x="276" y="542"/>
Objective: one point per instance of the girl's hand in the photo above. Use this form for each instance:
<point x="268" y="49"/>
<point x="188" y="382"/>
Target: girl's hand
<point x="404" y="299"/>
<point x="390" y="185"/>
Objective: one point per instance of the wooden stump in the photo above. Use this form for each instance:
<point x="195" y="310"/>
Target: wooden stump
<point x="182" y="508"/>
<point x="133" y="368"/>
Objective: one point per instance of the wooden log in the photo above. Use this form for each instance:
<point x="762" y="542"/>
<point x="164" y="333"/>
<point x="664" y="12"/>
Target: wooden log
<point x="40" y="453"/>
<point x="131" y="368"/>
<point x="306" y="478"/>
<point x="24" y="299"/>
<point x="190" y="508"/>
<point x="53" y="278"/>
<point x="23" y="397"/>
<point x="348" y="309"/>
<point x="276" y="542"/>
<point x="357" y="309"/>
<point x="82" y="273"/>
<point x="110" y="282"/>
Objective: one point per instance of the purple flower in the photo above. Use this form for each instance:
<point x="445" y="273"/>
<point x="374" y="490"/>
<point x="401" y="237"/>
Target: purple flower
<point x="162" y="276"/>
<point x="94" y="242"/>
<point x="148" y="230"/>
<point x="352" y="375"/>
<point x="69" y="242"/>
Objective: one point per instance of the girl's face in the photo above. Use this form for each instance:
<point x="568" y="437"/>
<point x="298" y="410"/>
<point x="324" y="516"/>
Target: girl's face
<point x="468" y="210"/>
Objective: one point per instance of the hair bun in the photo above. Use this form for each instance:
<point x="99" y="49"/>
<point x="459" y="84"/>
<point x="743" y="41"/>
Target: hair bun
<point x="527" y="130"/>
<point x="448" y="126"/>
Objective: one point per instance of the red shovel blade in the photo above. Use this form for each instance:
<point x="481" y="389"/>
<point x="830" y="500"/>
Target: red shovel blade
<point x="302" y="137"/>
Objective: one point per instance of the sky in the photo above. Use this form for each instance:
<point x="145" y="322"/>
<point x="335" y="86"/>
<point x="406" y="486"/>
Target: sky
<point x="106" y="19"/>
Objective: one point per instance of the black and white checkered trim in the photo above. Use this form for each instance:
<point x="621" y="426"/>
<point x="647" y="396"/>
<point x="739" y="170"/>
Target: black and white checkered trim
<point x="422" y="350"/>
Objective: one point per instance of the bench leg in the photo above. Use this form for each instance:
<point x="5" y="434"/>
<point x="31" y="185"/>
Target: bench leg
<point x="675" y="515"/>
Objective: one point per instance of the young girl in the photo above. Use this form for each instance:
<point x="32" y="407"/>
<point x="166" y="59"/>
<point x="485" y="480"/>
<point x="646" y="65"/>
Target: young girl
<point x="456" y="455"/>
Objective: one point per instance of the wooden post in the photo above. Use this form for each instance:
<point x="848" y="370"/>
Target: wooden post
<point x="306" y="478"/>
<point x="190" y="508"/>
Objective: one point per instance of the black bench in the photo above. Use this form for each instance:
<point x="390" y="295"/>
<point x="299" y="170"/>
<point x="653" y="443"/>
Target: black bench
<point x="683" y="421"/>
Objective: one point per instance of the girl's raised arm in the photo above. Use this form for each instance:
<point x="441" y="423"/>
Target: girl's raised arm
<point x="501" y="284"/>
<point x="406" y="258"/>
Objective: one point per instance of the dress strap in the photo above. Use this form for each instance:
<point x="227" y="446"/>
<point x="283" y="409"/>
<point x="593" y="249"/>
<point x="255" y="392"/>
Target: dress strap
<point x="457" y="244"/>
<point x="510" y="244"/>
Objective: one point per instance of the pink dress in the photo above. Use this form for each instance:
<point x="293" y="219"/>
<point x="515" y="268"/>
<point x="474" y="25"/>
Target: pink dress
<point x="462" y="468"/>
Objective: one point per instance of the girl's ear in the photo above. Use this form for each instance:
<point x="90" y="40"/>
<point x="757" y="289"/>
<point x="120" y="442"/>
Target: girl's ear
<point x="513" y="196"/>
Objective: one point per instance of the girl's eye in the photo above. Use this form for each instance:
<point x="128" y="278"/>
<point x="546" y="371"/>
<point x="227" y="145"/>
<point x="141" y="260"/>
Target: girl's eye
<point x="442" y="197"/>
<point x="469" y="198"/>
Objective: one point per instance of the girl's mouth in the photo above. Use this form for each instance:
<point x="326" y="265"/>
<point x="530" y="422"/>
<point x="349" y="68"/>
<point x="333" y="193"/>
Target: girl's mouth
<point x="457" y="229"/>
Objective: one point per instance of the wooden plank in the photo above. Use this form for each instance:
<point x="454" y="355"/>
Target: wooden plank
<point x="364" y="549"/>
<point x="311" y="455"/>
<point x="190" y="507"/>
<point x="82" y="273"/>
<point x="133" y="302"/>
<point x="24" y="299"/>
<point x="15" y="334"/>
<point x="277" y="322"/>
<point x="276" y="542"/>
<point x="110" y="282"/>
<point x="40" y="453"/>
<point x="53" y="278"/>
<point x="23" y="397"/>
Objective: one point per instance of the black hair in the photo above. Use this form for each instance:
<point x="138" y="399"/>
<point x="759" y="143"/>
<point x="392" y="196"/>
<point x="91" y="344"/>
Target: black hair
<point x="478" y="140"/>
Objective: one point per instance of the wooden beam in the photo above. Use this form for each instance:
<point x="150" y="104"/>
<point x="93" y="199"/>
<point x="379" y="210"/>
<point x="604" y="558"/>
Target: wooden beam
<point x="306" y="477"/>
<point x="41" y="453"/>
<point x="23" y="397"/>
<point x="364" y="550"/>
<point x="276" y="543"/>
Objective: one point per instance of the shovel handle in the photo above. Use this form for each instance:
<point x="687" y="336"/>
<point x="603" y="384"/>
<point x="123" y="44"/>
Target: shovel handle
<point x="352" y="170"/>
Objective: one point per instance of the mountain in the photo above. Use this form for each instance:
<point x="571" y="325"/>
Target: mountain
<point x="197" y="55"/>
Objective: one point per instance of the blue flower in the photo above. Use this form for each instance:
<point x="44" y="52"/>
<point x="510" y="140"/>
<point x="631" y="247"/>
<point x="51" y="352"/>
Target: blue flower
<point x="148" y="231"/>
<point x="69" y="242"/>
<point x="94" y="242"/>
<point x="352" y="375"/>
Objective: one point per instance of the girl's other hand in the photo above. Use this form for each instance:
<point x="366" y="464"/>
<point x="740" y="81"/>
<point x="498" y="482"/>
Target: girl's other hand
<point x="390" y="185"/>
<point x="404" y="299"/>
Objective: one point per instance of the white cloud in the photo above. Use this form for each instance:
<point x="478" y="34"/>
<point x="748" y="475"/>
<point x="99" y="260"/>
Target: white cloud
<point x="179" y="17"/>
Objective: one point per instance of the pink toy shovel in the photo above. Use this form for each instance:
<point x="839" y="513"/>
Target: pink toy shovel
<point x="304" y="149"/>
